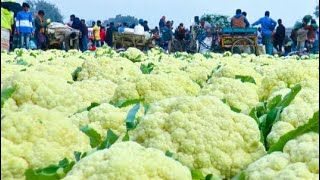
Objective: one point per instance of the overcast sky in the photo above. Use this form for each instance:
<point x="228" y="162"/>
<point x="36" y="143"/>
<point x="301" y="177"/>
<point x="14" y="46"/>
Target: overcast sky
<point x="184" y="10"/>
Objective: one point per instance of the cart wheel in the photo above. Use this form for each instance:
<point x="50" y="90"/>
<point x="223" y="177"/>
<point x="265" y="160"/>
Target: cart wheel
<point x="243" y="45"/>
<point x="193" y="47"/>
<point x="175" y="46"/>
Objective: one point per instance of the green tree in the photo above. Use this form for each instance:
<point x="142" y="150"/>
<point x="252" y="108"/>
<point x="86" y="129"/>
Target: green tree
<point x="316" y="13"/>
<point x="51" y="10"/>
<point x="121" y="19"/>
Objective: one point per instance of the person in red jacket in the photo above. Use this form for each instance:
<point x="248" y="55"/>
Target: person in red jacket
<point x="102" y="35"/>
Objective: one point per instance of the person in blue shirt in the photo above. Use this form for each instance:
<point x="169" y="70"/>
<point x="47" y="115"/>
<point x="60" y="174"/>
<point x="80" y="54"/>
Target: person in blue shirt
<point x="267" y="26"/>
<point x="24" y="26"/>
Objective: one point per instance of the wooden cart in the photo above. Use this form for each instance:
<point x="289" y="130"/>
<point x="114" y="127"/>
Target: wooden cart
<point x="239" y="40"/>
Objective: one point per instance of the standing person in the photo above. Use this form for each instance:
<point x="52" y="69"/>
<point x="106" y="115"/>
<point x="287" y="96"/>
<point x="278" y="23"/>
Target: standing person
<point x="180" y="33"/>
<point x="40" y="25"/>
<point x="267" y="26"/>
<point x="316" y="43"/>
<point x="109" y="37"/>
<point x="75" y="22"/>
<point x="102" y="35"/>
<point x="239" y="20"/>
<point x="162" y="22"/>
<point x="259" y="35"/>
<point x="293" y="37"/>
<point x="84" y="36"/>
<point x="312" y="33"/>
<point x="280" y="36"/>
<point x="145" y="26"/>
<point x="6" y="27"/>
<point x="166" y="35"/>
<point x="96" y="34"/>
<point x="302" y="37"/>
<point x="24" y="25"/>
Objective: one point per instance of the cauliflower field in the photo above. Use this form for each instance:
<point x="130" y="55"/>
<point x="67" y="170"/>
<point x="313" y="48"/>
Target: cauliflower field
<point x="134" y="116"/>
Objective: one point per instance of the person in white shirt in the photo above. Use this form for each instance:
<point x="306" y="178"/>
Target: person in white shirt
<point x="139" y="29"/>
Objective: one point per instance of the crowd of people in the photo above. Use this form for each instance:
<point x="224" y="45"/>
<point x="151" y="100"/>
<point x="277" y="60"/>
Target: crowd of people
<point x="75" y="34"/>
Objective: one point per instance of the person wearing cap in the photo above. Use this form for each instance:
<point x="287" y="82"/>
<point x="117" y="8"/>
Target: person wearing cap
<point x="40" y="25"/>
<point x="24" y="25"/>
<point x="139" y="29"/>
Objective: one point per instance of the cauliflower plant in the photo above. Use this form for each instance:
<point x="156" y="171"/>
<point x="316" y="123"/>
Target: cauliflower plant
<point x="130" y="161"/>
<point x="299" y="160"/>
<point x="203" y="132"/>
<point x="300" y="110"/>
<point x="34" y="137"/>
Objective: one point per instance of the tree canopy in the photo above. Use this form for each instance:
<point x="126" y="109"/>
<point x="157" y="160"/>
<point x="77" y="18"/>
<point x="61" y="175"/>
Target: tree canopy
<point x="316" y="13"/>
<point x="51" y="10"/>
<point x="121" y="19"/>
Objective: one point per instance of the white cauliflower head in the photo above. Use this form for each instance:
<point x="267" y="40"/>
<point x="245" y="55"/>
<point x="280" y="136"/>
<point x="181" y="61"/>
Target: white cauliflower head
<point x="155" y="87"/>
<point x="203" y="132"/>
<point x="237" y="94"/>
<point x="35" y="137"/>
<point x="128" y="160"/>
<point x="299" y="160"/>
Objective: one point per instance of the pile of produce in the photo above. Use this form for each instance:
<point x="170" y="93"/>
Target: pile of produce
<point x="216" y="20"/>
<point x="134" y="115"/>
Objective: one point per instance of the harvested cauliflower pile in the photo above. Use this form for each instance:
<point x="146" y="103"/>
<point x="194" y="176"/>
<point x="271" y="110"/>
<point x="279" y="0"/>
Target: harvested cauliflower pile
<point x="237" y="94"/>
<point x="130" y="161"/>
<point x="299" y="160"/>
<point x="35" y="137"/>
<point x="155" y="87"/>
<point x="203" y="132"/>
<point x="44" y="90"/>
<point x="114" y="69"/>
<point x="294" y="115"/>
